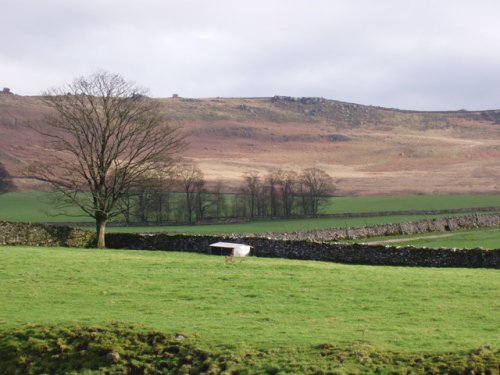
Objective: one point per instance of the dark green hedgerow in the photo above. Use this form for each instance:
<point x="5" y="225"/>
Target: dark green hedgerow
<point x="124" y="349"/>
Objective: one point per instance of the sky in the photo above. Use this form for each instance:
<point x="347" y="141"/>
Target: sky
<point x="407" y="54"/>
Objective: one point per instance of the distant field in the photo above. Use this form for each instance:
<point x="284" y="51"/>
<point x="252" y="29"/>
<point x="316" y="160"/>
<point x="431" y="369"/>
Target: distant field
<point x="273" y="225"/>
<point x="258" y="303"/>
<point x="409" y="202"/>
<point x="35" y="206"/>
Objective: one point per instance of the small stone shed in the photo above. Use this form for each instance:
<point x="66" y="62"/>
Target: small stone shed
<point x="231" y="249"/>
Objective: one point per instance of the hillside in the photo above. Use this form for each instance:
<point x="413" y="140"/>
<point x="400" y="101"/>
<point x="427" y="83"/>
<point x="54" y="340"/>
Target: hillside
<point x="368" y="150"/>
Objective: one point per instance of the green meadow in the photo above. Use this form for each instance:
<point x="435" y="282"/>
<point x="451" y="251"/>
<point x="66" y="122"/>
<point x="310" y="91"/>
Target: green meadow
<point x="64" y="310"/>
<point x="478" y="238"/>
<point x="36" y="207"/>
<point x="33" y="206"/>
<point x="409" y="202"/>
<point x="283" y="312"/>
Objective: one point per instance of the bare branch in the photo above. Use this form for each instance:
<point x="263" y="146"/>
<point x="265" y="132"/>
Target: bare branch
<point x="106" y="136"/>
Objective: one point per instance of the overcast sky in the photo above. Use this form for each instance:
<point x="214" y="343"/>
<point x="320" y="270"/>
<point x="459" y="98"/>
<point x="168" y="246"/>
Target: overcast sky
<point x="411" y="54"/>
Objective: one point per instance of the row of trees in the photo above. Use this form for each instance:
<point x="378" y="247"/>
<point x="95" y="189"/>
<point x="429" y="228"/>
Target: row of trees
<point x="285" y="193"/>
<point x="183" y="195"/>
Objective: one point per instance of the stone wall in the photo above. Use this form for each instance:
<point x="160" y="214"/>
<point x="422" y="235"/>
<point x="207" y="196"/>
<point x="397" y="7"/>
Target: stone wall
<point x="44" y="235"/>
<point x="467" y="210"/>
<point x="412" y="227"/>
<point x="311" y="250"/>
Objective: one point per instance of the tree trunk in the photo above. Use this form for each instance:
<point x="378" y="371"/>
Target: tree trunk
<point x="100" y="224"/>
<point x="189" y="206"/>
<point x="160" y="209"/>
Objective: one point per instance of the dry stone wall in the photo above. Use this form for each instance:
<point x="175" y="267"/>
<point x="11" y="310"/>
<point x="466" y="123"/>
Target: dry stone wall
<point x="280" y="245"/>
<point x="380" y="230"/>
<point x="44" y="235"/>
<point x="311" y="250"/>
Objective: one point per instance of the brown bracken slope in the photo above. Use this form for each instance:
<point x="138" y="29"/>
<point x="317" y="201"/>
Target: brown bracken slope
<point x="368" y="150"/>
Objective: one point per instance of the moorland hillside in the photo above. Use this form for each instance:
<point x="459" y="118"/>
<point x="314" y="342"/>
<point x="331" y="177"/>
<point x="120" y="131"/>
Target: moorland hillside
<point x="367" y="149"/>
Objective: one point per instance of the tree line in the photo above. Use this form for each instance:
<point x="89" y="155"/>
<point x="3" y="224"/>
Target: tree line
<point x="183" y="195"/>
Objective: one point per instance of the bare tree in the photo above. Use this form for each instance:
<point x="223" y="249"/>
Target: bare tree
<point x="161" y="200"/>
<point x="252" y="190"/>
<point x="272" y="181"/>
<point x="316" y="184"/>
<point x="190" y="178"/>
<point x="201" y="198"/>
<point x="146" y="192"/>
<point x="287" y="182"/>
<point x="218" y="199"/>
<point x="126" y="206"/>
<point x="106" y="135"/>
<point x="239" y="206"/>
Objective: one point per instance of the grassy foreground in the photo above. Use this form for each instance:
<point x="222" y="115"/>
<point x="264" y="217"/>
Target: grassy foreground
<point x="301" y="315"/>
<point x="124" y="349"/>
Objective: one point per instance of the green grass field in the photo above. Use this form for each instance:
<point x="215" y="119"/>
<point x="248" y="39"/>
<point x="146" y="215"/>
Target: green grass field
<point x="261" y="303"/>
<point x="409" y="202"/>
<point x="63" y="310"/>
<point x="35" y="206"/>
<point x="272" y="314"/>
<point x="485" y="238"/>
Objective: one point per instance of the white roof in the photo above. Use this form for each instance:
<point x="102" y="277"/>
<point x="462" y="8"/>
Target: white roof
<point x="228" y="245"/>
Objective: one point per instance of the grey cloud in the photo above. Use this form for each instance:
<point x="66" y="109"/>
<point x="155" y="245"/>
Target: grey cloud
<point x="408" y="54"/>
